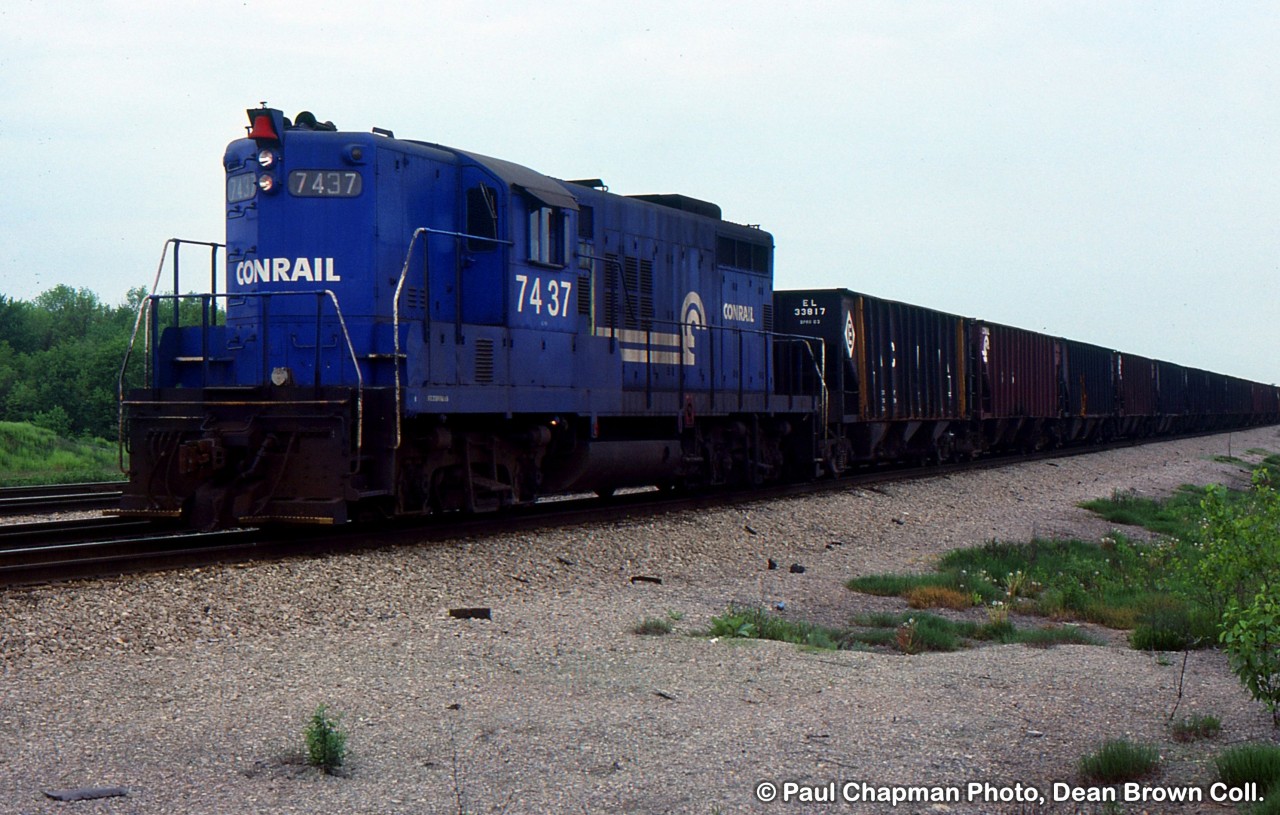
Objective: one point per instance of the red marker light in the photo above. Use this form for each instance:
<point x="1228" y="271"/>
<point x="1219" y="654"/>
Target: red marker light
<point x="263" y="128"/>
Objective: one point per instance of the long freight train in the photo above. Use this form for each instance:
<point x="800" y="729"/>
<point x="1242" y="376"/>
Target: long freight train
<point x="407" y="328"/>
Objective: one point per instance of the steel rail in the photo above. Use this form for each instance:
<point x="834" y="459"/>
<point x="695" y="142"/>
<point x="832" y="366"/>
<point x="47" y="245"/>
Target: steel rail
<point x="59" y="497"/>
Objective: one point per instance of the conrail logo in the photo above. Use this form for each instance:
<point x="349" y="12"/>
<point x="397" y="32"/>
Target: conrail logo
<point x="738" y="313"/>
<point x="286" y="270"/>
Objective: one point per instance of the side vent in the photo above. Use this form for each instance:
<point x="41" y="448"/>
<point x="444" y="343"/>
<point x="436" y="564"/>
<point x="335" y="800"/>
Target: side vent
<point x="768" y="317"/>
<point x="584" y="295"/>
<point x="612" y="269"/>
<point x="484" y="361"/>
<point x="646" y="294"/>
<point x="631" y="282"/>
<point x="413" y="299"/>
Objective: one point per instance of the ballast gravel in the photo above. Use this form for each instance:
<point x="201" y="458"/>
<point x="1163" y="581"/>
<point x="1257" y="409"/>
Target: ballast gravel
<point x="192" y="689"/>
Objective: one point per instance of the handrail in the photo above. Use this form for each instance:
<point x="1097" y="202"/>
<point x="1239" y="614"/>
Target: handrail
<point x="818" y="360"/>
<point x="342" y="324"/>
<point x="425" y="232"/>
<point x="144" y="307"/>
<point x="147" y="309"/>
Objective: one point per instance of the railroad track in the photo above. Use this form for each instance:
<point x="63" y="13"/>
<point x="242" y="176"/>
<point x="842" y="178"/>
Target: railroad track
<point x="59" y="497"/>
<point x="55" y="551"/>
<point x="65" y="550"/>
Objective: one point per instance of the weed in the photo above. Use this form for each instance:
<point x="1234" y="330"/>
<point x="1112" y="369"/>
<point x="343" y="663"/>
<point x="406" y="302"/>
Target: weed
<point x="1119" y="760"/>
<point x="652" y="626"/>
<point x="998" y="614"/>
<point x="1195" y="728"/>
<point x="326" y="741"/>
<point x="906" y="637"/>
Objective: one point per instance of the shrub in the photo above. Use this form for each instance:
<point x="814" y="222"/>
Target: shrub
<point x="1237" y="546"/>
<point x="326" y="741"/>
<point x="1194" y="728"/>
<point x="1119" y="760"/>
<point x="1251" y="636"/>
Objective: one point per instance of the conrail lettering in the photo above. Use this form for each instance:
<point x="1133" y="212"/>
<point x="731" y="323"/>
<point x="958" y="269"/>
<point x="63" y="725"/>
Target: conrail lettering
<point x="736" y="313"/>
<point x="286" y="270"/>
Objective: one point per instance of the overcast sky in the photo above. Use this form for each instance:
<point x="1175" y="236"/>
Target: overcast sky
<point x="1106" y="171"/>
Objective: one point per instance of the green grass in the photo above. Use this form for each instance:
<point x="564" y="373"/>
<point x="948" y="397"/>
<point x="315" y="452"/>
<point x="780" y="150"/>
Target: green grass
<point x="757" y="623"/>
<point x="909" y="633"/>
<point x="1118" y="583"/>
<point x="1251" y="762"/>
<point x="1174" y="517"/>
<point x="34" y="455"/>
<point x="1119" y="760"/>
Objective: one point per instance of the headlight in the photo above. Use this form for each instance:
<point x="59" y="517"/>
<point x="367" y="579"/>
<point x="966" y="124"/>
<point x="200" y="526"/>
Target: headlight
<point x="267" y="182"/>
<point x="267" y="158"/>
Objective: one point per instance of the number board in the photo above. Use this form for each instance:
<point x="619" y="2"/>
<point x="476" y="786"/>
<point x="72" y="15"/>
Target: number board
<point x="325" y="183"/>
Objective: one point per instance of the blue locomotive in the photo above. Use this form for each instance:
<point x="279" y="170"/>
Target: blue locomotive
<point x="409" y="328"/>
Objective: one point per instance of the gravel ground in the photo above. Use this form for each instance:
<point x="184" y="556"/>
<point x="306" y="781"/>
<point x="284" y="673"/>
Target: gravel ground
<point x="191" y="689"/>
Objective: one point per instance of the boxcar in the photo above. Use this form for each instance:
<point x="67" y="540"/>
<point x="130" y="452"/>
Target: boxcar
<point x="1015" y="387"/>
<point x="1087" y="388"/>
<point x="896" y="373"/>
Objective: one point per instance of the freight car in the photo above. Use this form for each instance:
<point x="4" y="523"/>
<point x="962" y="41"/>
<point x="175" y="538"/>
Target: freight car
<point x="911" y="383"/>
<point x="408" y="328"/>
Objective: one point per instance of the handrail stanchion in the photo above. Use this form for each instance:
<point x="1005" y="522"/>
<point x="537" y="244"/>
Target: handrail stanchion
<point x="205" y="300"/>
<point x="177" y="253"/>
<point x="265" y="334"/>
<point x="315" y="372"/>
<point x="153" y="342"/>
<point x="213" y="283"/>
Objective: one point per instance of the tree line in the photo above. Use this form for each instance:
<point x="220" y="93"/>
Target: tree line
<point x="60" y="357"/>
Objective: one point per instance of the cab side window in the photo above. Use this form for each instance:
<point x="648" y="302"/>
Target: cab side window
<point x="482" y="218"/>
<point x="547" y="236"/>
